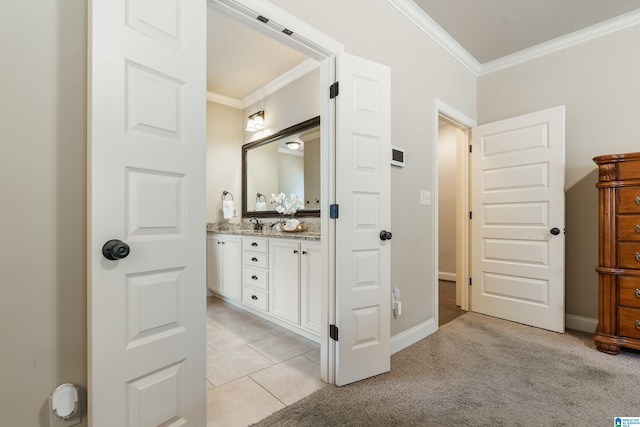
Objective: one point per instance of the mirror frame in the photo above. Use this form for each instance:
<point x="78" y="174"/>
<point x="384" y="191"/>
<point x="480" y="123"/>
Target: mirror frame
<point x="307" y="124"/>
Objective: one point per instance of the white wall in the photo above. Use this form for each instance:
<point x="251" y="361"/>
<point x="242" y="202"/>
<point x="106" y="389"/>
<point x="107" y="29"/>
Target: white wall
<point x="42" y="185"/>
<point x="420" y="72"/>
<point x="599" y="84"/>
<point x="447" y="174"/>
<point x="224" y="159"/>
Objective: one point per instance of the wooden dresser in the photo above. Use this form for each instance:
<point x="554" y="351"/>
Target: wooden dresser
<point x="619" y="252"/>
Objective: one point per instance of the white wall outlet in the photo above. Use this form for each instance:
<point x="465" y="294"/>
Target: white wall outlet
<point x="425" y="197"/>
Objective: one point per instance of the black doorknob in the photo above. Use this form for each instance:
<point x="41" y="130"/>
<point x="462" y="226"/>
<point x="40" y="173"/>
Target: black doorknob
<point x="555" y="231"/>
<point x="115" y="249"/>
<point x="385" y="235"/>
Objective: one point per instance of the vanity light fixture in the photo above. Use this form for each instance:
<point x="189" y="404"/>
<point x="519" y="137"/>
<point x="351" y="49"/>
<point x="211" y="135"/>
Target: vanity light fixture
<point x="294" y="144"/>
<point x="256" y="122"/>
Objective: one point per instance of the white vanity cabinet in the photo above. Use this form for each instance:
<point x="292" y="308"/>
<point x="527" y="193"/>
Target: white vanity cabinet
<point x="294" y="275"/>
<point x="284" y="276"/>
<point x="310" y="286"/>
<point x="255" y="272"/>
<point x="224" y="265"/>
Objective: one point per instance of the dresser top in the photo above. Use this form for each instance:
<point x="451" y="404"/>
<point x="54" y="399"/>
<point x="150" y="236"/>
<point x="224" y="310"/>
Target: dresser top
<point x="612" y="158"/>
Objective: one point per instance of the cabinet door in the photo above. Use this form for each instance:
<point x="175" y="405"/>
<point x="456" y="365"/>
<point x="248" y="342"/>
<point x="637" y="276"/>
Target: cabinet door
<point x="232" y="267"/>
<point x="214" y="263"/>
<point x="284" y="280"/>
<point x="310" y="286"/>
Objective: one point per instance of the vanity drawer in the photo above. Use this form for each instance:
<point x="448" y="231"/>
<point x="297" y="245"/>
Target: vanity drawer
<point x="255" y="259"/>
<point x="255" y="298"/>
<point x="255" y="244"/>
<point x="629" y="227"/>
<point x="629" y="322"/>
<point x="629" y="255"/>
<point x="256" y="278"/>
<point x="629" y="200"/>
<point x="629" y="288"/>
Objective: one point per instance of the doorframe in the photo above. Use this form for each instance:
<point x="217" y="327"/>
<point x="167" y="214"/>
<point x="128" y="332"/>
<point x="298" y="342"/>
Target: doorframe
<point x="324" y="49"/>
<point x="463" y="200"/>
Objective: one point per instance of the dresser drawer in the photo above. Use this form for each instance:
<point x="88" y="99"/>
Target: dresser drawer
<point x="255" y="244"/>
<point x="629" y="227"/>
<point x="629" y="322"/>
<point x="629" y="200"/>
<point x="255" y="259"/>
<point x="628" y="170"/>
<point x="629" y="291"/>
<point x="256" y="278"/>
<point x="629" y="255"/>
<point x="255" y="298"/>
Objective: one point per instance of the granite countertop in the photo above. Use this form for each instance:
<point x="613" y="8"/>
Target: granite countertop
<point x="312" y="233"/>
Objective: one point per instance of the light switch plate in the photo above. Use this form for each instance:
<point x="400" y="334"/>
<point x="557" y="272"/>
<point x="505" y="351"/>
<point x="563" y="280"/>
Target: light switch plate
<point x="425" y="197"/>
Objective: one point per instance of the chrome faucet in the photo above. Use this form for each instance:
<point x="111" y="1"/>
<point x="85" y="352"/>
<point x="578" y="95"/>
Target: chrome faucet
<point x="257" y="225"/>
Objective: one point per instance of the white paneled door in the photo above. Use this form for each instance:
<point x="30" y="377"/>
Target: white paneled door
<point x="518" y="219"/>
<point x="146" y="188"/>
<point x="363" y="295"/>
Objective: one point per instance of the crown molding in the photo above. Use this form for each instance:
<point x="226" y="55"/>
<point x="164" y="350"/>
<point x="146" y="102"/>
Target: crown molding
<point x="418" y="17"/>
<point x="224" y="100"/>
<point x="278" y="83"/>
<point x="577" y="37"/>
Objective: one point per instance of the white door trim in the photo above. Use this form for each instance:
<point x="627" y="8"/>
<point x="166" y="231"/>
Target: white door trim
<point x="462" y="201"/>
<point x="323" y="48"/>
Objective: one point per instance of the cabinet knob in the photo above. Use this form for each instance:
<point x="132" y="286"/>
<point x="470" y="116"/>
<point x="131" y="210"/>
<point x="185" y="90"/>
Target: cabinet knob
<point x="637" y="256"/>
<point x="295" y="251"/>
<point x="638" y="293"/>
<point x="254" y="297"/>
<point x="637" y="228"/>
<point x="638" y="200"/>
<point x="304" y="252"/>
<point x="254" y="277"/>
<point x="254" y="259"/>
<point x="637" y="324"/>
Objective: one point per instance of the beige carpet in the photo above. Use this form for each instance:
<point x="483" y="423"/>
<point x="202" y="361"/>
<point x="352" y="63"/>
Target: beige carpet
<point x="482" y="371"/>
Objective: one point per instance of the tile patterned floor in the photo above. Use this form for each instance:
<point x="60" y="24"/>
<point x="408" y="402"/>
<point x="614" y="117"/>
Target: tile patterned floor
<point x="254" y="367"/>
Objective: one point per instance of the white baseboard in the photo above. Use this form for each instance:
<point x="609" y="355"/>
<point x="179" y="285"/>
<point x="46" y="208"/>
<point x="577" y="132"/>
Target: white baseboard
<point x="413" y="335"/>
<point x="449" y="277"/>
<point x="579" y="323"/>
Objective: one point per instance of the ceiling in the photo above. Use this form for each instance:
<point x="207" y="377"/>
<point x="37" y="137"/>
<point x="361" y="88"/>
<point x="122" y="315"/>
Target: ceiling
<point x="241" y="60"/>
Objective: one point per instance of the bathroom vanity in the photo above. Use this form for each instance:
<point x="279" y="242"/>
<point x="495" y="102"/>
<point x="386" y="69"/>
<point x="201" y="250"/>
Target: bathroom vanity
<point x="275" y="275"/>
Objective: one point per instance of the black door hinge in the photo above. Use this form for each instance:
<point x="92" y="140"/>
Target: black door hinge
<point x="470" y="215"/>
<point x="470" y="148"/>
<point x="333" y="332"/>
<point x="263" y="19"/>
<point x="334" y="89"/>
<point x="470" y="282"/>
<point x="333" y="211"/>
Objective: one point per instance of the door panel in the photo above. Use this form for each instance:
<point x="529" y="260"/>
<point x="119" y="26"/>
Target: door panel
<point x="146" y="187"/>
<point x="363" y="192"/>
<point x="518" y="197"/>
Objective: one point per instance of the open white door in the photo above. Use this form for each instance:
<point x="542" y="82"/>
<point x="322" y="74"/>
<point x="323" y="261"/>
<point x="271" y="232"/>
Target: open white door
<point x="363" y="295"/>
<point x="147" y="188"/>
<point x="518" y="219"/>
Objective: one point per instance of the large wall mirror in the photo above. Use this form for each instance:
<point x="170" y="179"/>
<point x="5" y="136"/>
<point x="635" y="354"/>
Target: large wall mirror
<point x="286" y="162"/>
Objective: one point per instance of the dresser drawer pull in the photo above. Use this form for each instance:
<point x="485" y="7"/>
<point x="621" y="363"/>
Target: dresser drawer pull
<point x="254" y="244"/>
<point x="637" y="228"/>
<point x="637" y="324"/>
<point x="638" y="293"/>
<point x="254" y="259"/>
<point x="637" y="256"/>
<point x="255" y="298"/>
<point x="637" y="200"/>
<point x="254" y="277"/>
